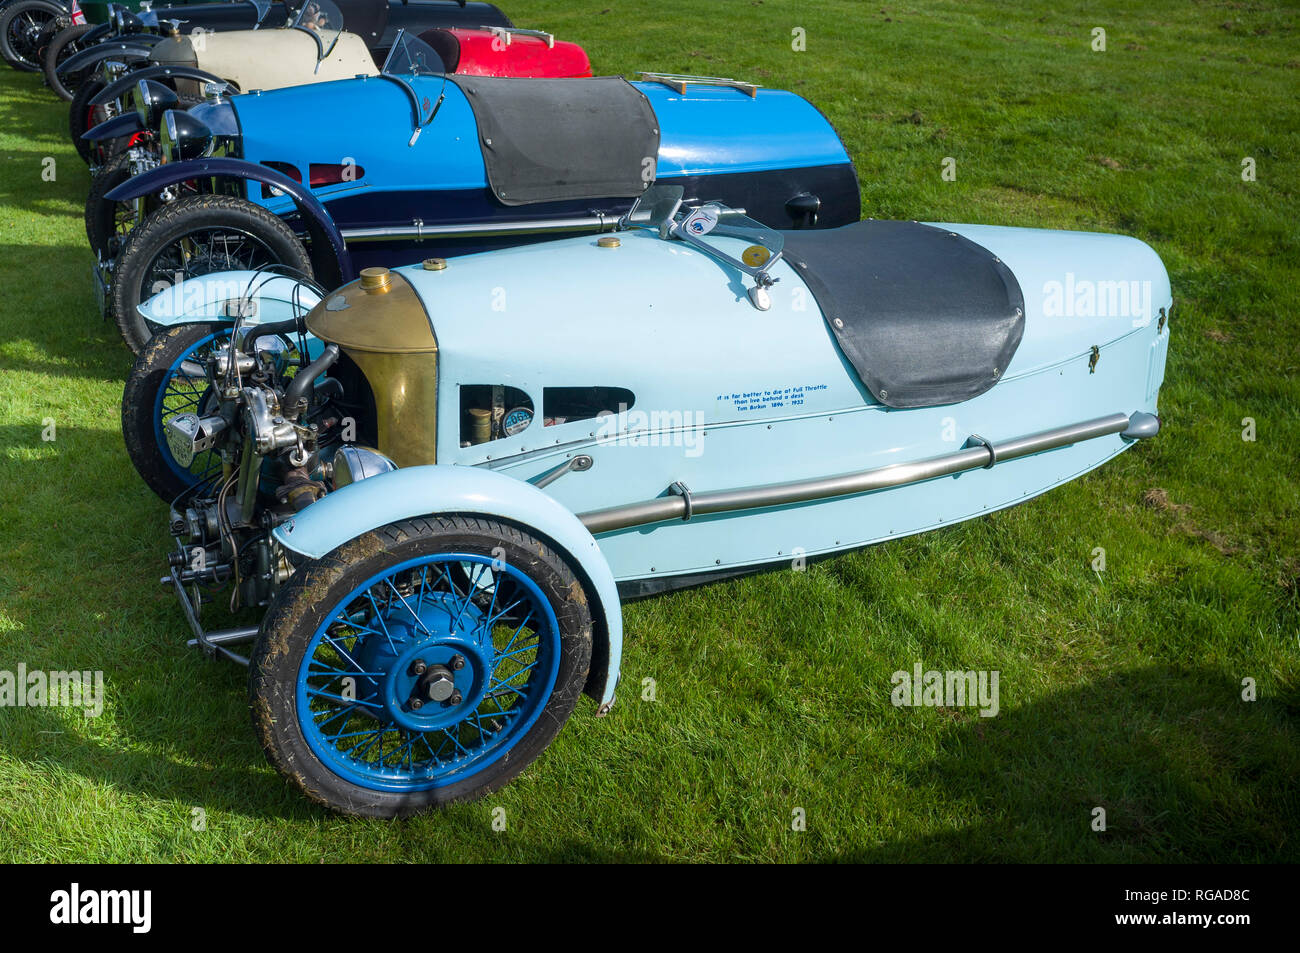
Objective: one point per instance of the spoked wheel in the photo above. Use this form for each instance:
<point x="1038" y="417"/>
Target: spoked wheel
<point x="380" y="686"/>
<point x="191" y="237"/>
<point x="65" y="43"/>
<point x="168" y="379"/>
<point x="22" y="32"/>
<point x="108" y="222"/>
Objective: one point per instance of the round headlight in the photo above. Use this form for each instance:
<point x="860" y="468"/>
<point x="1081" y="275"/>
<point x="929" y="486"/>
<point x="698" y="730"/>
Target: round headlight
<point x="152" y="99"/>
<point x="353" y="463"/>
<point x="184" y="137"/>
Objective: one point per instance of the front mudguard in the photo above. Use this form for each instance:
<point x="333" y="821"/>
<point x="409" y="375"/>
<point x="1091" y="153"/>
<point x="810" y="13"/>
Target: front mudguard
<point x="124" y="84"/>
<point x="329" y="254"/>
<point x="99" y="33"/>
<point x="428" y="490"/>
<point x="207" y="299"/>
<point x="126" y="51"/>
<point x="126" y="124"/>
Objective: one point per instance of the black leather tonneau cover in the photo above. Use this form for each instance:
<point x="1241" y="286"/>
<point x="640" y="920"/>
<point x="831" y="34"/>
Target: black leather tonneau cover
<point x="545" y="140"/>
<point x="925" y="316"/>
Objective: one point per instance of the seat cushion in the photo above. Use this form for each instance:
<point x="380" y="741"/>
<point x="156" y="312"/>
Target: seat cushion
<point x="446" y="45"/>
<point x="925" y="316"/>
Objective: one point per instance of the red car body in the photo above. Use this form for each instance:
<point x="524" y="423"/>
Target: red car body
<point x="487" y="52"/>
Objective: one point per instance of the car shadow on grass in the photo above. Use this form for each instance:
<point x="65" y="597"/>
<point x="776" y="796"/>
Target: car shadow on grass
<point x="1184" y="769"/>
<point x="235" y="780"/>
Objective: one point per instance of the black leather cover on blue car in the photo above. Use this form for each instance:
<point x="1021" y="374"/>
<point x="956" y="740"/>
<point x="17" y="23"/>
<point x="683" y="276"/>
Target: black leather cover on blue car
<point x="925" y="316"/>
<point x="549" y="139"/>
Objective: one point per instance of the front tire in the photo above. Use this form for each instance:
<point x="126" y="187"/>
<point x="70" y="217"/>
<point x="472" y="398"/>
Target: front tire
<point x="355" y="639"/>
<point x="108" y="222"/>
<point x="83" y="116"/>
<point x="168" y="379"/>
<point x="191" y="237"/>
<point x="65" y="43"/>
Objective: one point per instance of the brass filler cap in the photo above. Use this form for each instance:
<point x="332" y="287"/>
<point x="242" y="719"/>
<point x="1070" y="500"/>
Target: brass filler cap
<point x="375" y="281"/>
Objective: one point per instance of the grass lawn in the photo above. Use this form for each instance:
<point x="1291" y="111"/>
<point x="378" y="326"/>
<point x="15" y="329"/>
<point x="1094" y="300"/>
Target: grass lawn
<point x="1120" y="689"/>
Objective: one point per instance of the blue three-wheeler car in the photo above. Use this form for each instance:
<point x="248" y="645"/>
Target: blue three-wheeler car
<point x="438" y="164"/>
<point x="435" y="488"/>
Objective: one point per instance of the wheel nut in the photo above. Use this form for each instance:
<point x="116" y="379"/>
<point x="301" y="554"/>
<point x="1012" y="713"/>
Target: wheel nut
<point x="455" y="698"/>
<point x="418" y="667"/>
<point x="438" y="685"/>
<point x="458" y="662"/>
<point x="416" y="704"/>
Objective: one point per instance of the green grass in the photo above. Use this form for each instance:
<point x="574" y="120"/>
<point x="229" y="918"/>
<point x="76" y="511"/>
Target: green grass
<point x="1119" y="689"/>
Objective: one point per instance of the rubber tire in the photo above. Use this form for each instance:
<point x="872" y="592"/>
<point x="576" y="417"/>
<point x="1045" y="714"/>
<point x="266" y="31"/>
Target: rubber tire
<point x="175" y="220"/>
<point x="78" y="110"/>
<point x="139" y="428"/>
<point x="61" y="42"/>
<point x="10" y="13"/>
<point x="314" y="590"/>
<point x="100" y="210"/>
<point x="98" y="217"/>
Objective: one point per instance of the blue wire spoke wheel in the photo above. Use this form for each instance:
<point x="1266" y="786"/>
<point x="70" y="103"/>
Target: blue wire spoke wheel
<point x="170" y="378"/>
<point x="426" y="662"/>
<point x="185" y="390"/>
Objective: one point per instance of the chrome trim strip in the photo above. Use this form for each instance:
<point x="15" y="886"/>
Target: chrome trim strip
<point x="422" y="231"/>
<point x="848" y="484"/>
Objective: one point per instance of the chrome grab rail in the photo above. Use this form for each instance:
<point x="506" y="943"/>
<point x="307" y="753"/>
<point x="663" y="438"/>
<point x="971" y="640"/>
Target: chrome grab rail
<point x="982" y="455"/>
<point x="679" y="82"/>
<point x="508" y="32"/>
<point x="425" y="232"/>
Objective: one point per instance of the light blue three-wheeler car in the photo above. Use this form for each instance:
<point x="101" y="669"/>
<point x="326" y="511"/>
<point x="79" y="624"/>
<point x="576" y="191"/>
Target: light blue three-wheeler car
<point x="437" y="485"/>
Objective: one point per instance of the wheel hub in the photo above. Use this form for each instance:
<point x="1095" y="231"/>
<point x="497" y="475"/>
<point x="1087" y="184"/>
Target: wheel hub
<point x="430" y="671"/>
<point x="437" y="684"/>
